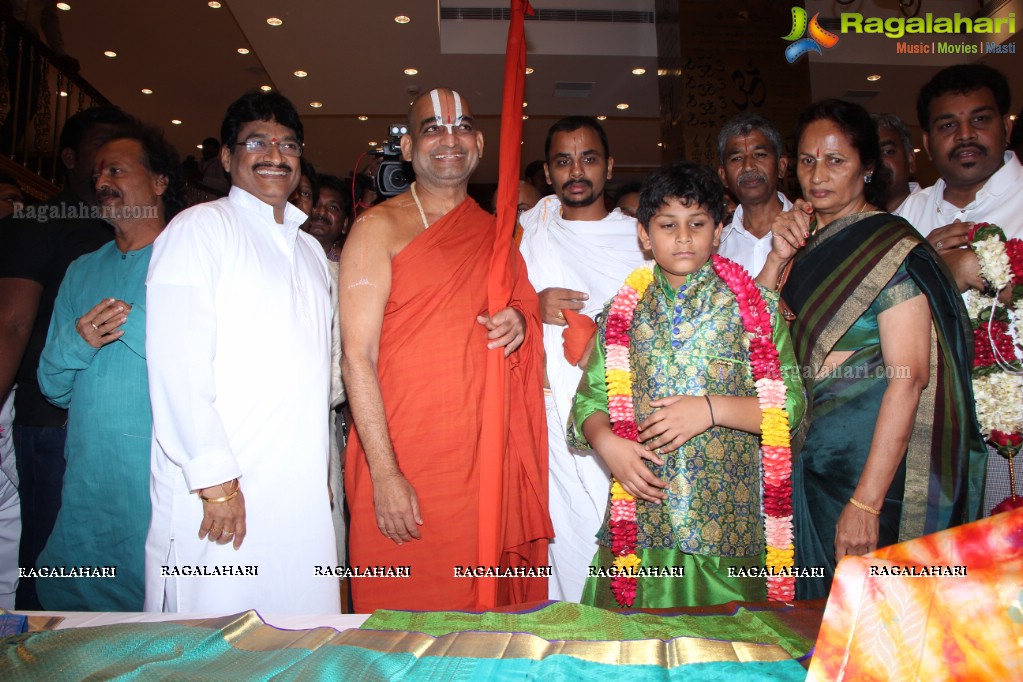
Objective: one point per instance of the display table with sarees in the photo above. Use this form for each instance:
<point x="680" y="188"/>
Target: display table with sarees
<point x="554" y="640"/>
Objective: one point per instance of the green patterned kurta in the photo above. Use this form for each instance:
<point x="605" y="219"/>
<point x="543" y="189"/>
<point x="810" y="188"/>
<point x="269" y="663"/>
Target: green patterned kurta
<point x="692" y="342"/>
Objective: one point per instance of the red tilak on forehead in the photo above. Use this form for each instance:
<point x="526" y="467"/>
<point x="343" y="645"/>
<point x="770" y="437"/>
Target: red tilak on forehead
<point x="745" y="143"/>
<point x="273" y="140"/>
<point x="102" y="165"/>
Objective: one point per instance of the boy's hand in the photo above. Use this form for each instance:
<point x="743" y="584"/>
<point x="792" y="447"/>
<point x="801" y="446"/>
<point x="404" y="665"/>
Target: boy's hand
<point x="679" y="418"/>
<point x="625" y="460"/>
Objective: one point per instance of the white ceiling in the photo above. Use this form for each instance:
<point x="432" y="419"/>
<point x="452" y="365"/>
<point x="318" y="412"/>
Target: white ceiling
<point x="355" y="54"/>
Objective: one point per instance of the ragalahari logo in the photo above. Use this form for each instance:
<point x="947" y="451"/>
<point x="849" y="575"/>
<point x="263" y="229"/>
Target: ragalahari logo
<point x="816" y="39"/>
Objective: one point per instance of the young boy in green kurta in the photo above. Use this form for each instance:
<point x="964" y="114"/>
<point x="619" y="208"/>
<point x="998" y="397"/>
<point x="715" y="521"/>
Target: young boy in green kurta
<point x="695" y="471"/>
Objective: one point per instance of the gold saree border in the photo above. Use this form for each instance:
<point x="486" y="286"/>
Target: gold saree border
<point x="248" y="632"/>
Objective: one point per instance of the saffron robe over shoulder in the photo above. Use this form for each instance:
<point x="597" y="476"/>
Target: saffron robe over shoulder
<point x="431" y="371"/>
<point x="238" y="339"/>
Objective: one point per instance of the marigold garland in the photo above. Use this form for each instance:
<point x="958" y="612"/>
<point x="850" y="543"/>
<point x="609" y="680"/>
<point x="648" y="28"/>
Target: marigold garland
<point x="776" y="456"/>
<point x="997" y="371"/>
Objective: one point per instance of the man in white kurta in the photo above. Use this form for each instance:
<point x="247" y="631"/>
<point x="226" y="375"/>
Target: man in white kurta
<point x="573" y="247"/>
<point x="752" y="164"/>
<point x="966" y="128"/>
<point x="238" y="340"/>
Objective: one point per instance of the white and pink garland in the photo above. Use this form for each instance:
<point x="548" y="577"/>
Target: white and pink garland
<point x="776" y="455"/>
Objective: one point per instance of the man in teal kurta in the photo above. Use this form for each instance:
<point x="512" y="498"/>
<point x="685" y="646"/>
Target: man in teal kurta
<point x="94" y="364"/>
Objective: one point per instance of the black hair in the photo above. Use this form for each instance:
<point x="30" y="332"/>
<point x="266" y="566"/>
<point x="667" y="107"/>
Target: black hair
<point x="76" y="127"/>
<point x="855" y="123"/>
<point x="159" y="158"/>
<point x="342" y="187"/>
<point x="532" y="168"/>
<point x="308" y="170"/>
<point x="571" y="123"/>
<point x="259" y="106"/>
<point x="628" y="188"/>
<point x="959" y="80"/>
<point x="688" y="182"/>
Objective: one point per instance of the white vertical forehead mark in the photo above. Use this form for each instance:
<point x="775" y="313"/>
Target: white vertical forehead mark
<point x="438" y="111"/>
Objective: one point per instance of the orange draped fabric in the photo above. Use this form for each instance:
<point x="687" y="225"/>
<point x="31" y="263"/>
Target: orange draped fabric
<point x="433" y="355"/>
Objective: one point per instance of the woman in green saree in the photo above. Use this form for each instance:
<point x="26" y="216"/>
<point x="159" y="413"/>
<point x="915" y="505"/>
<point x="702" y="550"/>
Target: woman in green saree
<point x="889" y="449"/>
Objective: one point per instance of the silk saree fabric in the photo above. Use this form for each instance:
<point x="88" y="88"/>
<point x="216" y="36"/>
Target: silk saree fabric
<point x="834" y="282"/>
<point x="555" y="641"/>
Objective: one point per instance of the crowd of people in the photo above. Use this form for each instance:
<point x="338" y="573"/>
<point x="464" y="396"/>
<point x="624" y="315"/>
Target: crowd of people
<point x="237" y="404"/>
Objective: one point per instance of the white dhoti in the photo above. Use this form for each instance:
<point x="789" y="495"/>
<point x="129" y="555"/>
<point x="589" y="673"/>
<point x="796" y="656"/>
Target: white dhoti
<point x="593" y="256"/>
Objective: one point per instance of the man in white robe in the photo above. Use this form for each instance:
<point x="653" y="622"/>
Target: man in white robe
<point x="238" y="339"/>
<point x="577" y="255"/>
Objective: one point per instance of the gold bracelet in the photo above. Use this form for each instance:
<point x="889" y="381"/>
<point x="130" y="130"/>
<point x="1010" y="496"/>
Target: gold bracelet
<point x="859" y="505"/>
<point x="218" y="500"/>
<point x="225" y="498"/>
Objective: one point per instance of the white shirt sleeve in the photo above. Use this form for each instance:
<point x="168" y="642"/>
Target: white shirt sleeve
<point x="181" y="335"/>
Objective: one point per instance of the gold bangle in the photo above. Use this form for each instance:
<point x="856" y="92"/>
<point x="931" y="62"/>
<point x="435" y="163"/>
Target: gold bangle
<point x="218" y="500"/>
<point x="859" y="505"/>
<point x="225" y="498"/>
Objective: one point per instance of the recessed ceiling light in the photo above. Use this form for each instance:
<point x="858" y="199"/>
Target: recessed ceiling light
<point x="874" y="77"/>
<point x="301" y="74"/>
<point x="64" y="6"/>
<point x="316" y="105"/>
<point x="525" y="117"/>
<point x="623" y="106"/>
<point x="265" y="88"/>
<point x="401" y="19"/>
<point x="1012" y="117"/>
<point x="176" y="121"/>
<point x="198" y="146"/>
<point x="147" y="91"/>
<point x="363" y="118"/>
<point x="110" y="53"/>
<point x="638" y="72"/>
<point x="372" y="143"/>
<point x="243" y="50"/>
<point x="525" y="104"/>
<point x="916" y="150"/>
<point x="662" y="72"/>
<point x="602" y="117"/>
<point x="274" y="21"/>
<point x="411" y="72"/>
<point x="529" y="70"/>
<point x="63" y="93"/>
<point x="660" y="144"/>
<point x="214" y="4"/>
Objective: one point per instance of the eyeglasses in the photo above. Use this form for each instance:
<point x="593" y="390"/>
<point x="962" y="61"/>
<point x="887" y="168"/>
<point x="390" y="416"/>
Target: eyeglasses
<point x="256" y="145"/>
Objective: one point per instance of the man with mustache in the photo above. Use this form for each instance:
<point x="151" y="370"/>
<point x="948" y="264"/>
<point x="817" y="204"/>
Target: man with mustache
<point x="752" y="162"/>
<point x="577" y="255"/>
<point x="94" y="365"/>
<point x="964" y="112"/>
<point x="238" y="339"/>
<point x="35" y="252"/>
<point x="416" y="330"/>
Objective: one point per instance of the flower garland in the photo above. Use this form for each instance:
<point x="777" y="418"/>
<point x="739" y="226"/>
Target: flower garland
<point x="997" y="372"/>
<point x="776" y="455"/>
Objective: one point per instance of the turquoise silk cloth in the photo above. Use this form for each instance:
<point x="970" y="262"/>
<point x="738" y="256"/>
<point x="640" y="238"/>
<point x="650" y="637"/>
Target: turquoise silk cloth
<point x="691" y="341"/>
<point x="105" y="509"/>
<point x="847" y="276"/>
<point x="559" y="641"/>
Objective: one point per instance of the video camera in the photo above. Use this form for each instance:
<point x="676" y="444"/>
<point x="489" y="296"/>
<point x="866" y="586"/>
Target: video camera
<point x="394" y="174"/>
